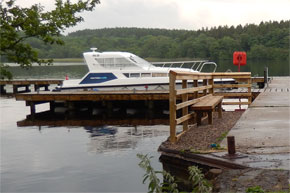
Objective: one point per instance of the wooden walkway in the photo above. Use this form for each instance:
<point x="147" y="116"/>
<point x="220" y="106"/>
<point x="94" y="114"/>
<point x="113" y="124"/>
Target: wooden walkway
<point x="263" y="131"/>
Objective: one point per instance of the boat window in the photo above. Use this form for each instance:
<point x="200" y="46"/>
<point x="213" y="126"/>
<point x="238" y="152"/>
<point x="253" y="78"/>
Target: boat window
<point x="134" y="75"/>
<point x="115" y="62"/>
<point x="122" y="62"/>
<point x="146" y="75"/>
<point x="159" y="74"/>
<point x="126" y="74"/>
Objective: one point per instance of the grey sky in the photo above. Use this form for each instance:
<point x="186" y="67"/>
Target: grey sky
<point x="178" y="14"/>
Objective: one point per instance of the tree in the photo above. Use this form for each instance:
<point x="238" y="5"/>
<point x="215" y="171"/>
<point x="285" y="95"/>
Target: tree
<point x="18" y="24"/>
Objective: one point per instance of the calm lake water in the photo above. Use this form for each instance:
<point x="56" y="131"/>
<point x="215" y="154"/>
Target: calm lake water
<point x="73" y="158"/>
<point x="48" y="158"/>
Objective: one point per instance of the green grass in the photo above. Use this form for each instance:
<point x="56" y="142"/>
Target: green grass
<point x="223" y="135"/>
<point x="68" y="59"/>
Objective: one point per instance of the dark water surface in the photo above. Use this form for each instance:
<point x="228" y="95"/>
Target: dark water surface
<point x="73" y="159"/>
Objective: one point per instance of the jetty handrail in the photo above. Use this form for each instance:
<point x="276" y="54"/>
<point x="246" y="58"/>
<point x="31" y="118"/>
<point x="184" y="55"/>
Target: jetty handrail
<point x="198" y="92"/>
<point x="207" y="87"/>
<point x="243" y="81"/>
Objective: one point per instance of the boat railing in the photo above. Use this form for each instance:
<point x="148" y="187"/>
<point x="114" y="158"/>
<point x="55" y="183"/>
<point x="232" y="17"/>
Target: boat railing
<point x="200" y="66"/>
<point x="193" y="65"/>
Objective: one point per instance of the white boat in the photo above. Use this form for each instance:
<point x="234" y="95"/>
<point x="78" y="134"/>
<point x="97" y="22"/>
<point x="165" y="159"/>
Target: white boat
<point x="126" y="71"/>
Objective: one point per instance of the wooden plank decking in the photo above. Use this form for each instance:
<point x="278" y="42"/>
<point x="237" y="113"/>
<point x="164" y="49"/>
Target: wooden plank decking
<point x="94" y="96"/>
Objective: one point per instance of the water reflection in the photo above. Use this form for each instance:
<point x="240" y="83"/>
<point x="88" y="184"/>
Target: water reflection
<point x="44" y="155"/>
<point x="110" y="134"/>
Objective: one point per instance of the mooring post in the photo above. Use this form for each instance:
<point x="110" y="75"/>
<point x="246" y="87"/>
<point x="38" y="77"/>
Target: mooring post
<point x="231" y="145"/>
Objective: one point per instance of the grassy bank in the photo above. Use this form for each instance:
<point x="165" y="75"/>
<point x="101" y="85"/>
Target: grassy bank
<point x="68" y="59"/>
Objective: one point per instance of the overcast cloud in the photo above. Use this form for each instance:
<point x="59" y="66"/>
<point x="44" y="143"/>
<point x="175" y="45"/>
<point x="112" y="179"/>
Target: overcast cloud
<point x="178" y="14"/>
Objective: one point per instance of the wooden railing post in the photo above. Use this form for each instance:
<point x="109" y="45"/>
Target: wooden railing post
<point x="195" y="84"/>
<point x="204" y="84"/>
<point x="185" y="109"/>
<point x="211" y="82"/>
<point x="172" y="107"/>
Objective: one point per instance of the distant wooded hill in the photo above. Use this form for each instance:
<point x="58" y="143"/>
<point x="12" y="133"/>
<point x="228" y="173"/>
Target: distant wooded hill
<point x="268" y="40"/>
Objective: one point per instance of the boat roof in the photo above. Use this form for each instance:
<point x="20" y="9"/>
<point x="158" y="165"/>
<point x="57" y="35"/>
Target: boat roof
<point x="110" y="54"/>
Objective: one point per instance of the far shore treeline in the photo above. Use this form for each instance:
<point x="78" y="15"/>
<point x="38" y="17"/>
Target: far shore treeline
<point x="266" y="41"/>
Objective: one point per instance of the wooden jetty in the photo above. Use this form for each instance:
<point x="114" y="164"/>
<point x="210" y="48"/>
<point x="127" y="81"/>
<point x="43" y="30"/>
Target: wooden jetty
<point x="148" y="99"/>
<point x="38" y="84"/>
<point x="261" y="136"/>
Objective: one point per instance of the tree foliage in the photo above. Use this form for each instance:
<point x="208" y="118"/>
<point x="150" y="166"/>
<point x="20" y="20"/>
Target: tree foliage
<point x="268" y="40"/>
<point x="19" y="25"/>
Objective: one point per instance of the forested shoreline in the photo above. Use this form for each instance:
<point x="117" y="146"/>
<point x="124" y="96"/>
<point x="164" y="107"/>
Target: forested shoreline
<point x="268" y="40"/>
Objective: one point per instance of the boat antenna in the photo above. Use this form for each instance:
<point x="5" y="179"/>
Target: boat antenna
<point x="94" y="49"/>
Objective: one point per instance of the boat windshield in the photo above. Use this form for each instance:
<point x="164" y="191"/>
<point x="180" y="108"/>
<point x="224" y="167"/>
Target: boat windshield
<point x="141" y="62"/>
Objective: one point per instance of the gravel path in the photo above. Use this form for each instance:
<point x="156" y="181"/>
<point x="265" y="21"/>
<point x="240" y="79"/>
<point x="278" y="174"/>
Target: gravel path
<point x="200" y="138"/>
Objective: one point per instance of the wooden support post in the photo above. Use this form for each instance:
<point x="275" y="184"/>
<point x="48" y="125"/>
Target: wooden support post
<point x="172" y="107"/>
<point x="27" y="88"/>
<point x="211" y="82"/>
<point x="210" y="118"/>
<point x="46" y="87"/>
<point x="36" y="87"/>
<point x="52" y="106"/>
<point x="2" y="89"/>
<point x="109" y="108"/>
<point x="195" y="84"/>
<point x="185" y="109"/>
<point x="32" y="109"/>
<point x="15" y="89"/>
<point x="70" y="105"/>
<point x="150" y="112"/>
<point x="150" y="105"/>
<point x="198" y="117"/>
<point x="220" y="110"/>
<point x="204" y="82"/>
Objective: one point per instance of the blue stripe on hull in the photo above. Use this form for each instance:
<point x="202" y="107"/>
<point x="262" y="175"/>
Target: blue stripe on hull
<point x="93" y="78"/>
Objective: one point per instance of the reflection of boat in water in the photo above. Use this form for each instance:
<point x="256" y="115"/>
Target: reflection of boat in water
<point x="101" y="131"/>
<point x="124" y="138"/>
<point x="123" y="70"/>
<point x="105" y="135"/>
